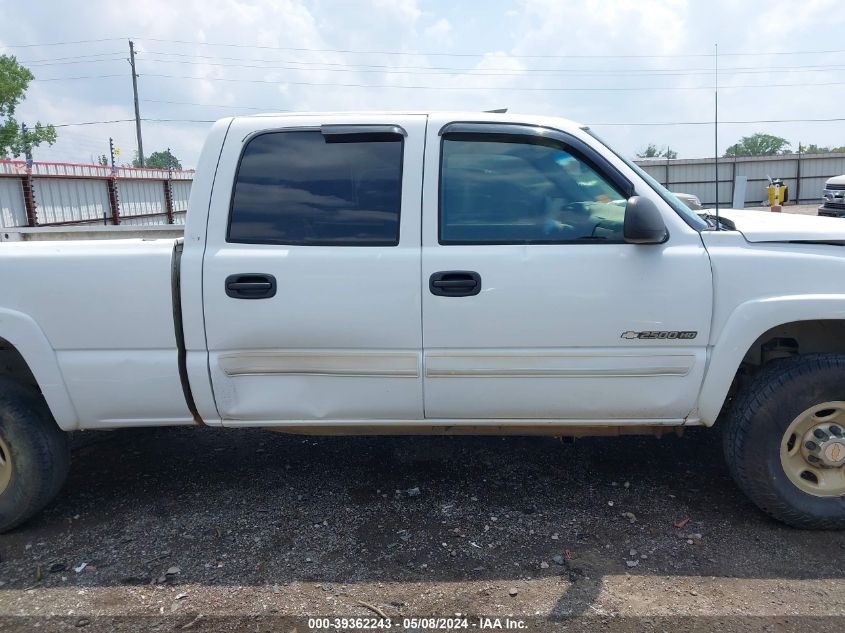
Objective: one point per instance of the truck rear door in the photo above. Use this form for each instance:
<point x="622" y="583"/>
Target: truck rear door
<point x="311" y="275"/>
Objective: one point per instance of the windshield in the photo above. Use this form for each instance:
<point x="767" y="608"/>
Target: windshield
<point x="690" y="217"/>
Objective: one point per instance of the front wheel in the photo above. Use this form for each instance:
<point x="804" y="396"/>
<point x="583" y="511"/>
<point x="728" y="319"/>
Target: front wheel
<point x="784" y="441"/>
<point x="34" y="454"/>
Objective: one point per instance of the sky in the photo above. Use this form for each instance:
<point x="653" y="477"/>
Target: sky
<point x="619" y="66"/>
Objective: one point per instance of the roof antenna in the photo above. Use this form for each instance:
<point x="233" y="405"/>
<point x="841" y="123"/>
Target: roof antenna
<point x="497" y="111"/>
<point x="716" y="125"/>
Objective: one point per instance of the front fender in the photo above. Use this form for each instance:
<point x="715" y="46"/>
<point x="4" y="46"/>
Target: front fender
<point x="23" y="332"/>
<point x="745" y="325"/>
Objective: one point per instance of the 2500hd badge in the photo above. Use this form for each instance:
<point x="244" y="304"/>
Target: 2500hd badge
<point x="661" y="334"/>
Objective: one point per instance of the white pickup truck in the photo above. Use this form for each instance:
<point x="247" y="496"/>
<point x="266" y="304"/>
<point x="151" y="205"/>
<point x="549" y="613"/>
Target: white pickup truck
<point x="435" y="273"/>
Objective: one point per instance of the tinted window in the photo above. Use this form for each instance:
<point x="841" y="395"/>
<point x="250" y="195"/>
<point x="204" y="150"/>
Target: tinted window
<point x="499" y="189"/>
<point x="309" y="189"/>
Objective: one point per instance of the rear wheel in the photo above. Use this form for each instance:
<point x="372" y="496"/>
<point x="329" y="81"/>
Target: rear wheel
<point x="34" y="454"/>
<point x="785" y="441"/>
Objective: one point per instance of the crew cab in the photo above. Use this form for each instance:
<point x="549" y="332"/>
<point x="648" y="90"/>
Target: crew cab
<point x="457" y="272"/>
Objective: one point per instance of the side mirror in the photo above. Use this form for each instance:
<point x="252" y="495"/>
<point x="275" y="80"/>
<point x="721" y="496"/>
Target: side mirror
<point x="643" y="222"/>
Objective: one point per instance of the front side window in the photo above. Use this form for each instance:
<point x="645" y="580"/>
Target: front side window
<point x="307" y="188"/>
<point x="689" y="216"/>
<point x="500" y="189"/>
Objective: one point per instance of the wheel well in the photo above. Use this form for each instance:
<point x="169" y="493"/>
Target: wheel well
<point x="12" y="364"/>
<point x="787" y="340"/>
<point x="798" y="337"/>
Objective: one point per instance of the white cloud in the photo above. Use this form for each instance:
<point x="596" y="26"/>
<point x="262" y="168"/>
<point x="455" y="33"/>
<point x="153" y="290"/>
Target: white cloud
<point x="404" y="12"/>
<point x="439" y="31"/>
<point x="603" y="26"/>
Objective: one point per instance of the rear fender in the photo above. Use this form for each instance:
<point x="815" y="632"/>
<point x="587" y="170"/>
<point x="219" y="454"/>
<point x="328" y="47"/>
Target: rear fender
<point x="27" y="337"/>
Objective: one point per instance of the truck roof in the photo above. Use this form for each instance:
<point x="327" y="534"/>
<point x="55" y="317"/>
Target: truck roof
<point x="456" y="115"/>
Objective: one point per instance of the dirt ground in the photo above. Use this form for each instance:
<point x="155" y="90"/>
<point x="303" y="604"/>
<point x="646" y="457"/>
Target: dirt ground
<point x="207" y="529"/>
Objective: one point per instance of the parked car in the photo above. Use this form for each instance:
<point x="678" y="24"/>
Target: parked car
<point x="435" y="273"/>
<point x="690" y="200"/>
<point x="833" y="198"/>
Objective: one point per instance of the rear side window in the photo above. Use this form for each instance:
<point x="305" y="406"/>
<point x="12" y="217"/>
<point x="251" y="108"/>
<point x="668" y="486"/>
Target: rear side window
<point x="304" y="188"/>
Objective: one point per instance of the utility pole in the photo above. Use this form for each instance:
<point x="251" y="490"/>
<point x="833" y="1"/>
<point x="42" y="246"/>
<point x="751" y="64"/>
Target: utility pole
<point x="716" y="123"/>
<point x="137" y="110"/>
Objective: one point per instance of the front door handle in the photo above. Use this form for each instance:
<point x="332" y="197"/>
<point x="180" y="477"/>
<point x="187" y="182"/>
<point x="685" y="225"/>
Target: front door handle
<point x="455" y="283"/>
<point x="251" y="286"/>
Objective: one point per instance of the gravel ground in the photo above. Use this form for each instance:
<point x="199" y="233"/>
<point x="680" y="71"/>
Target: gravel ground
<point x="210" y="529"/>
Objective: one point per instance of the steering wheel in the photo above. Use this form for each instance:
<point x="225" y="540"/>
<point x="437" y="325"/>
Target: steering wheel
<point x="579" y="207"/>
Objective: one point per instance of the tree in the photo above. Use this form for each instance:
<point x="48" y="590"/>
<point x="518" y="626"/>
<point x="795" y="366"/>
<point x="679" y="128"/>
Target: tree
<point x="159" y="160"/>
<point x="103" y="160"/>
<point x="16" y="140"/>
<point x="652" y="151"/>
<point x="759" y="144"/>
<point x="812" y="148"/>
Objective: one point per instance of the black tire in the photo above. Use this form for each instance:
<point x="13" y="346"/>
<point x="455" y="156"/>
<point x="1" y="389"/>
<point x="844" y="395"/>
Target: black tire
<point x="39" y="453"/>
<point x="756" y="423"/>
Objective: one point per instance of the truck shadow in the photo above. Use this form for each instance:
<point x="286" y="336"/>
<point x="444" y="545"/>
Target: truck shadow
<point x="251" y="507"/>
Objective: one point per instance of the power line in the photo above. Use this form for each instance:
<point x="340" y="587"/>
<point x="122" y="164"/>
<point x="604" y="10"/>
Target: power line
<point x="484" y="72"/>
<point x="105" y="39"/>
<point x="93" y="122"/>
<point x="75" y="78"/>
<point x="83" y="123"/>
<point x="426" y="53"/>
<point x="447" y="88"/>
<point x="589" y="71"/>
<point x="666" y="123"/>
<point x="429" y="70"/>
<point x="81" y="61"/>
<point x="415" y="87"/>
<point x="508" y="88"/>
<point x="180" y="120"/>
<point x="440" y="54"/>
<point x="456" y="88"/>
<point x="212" y="105"/>
<point x="55" y="59"/>
<point x="617" y="123"/>
<point x="607" y="123"/>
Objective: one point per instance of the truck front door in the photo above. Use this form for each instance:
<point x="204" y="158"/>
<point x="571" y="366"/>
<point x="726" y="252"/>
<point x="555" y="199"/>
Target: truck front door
<point x="311" y="272"/>
<point x="534" y="307"/>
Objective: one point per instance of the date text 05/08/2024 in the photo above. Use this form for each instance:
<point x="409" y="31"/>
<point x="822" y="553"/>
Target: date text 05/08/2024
<point x="481" y="623"/>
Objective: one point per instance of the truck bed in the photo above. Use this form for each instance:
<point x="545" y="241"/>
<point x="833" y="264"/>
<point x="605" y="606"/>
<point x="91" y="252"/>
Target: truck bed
<point x="106" y="308"/>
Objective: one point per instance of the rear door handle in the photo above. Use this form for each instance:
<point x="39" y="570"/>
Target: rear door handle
<point x="455" y="283"/>
<point x="251" y="286"/>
